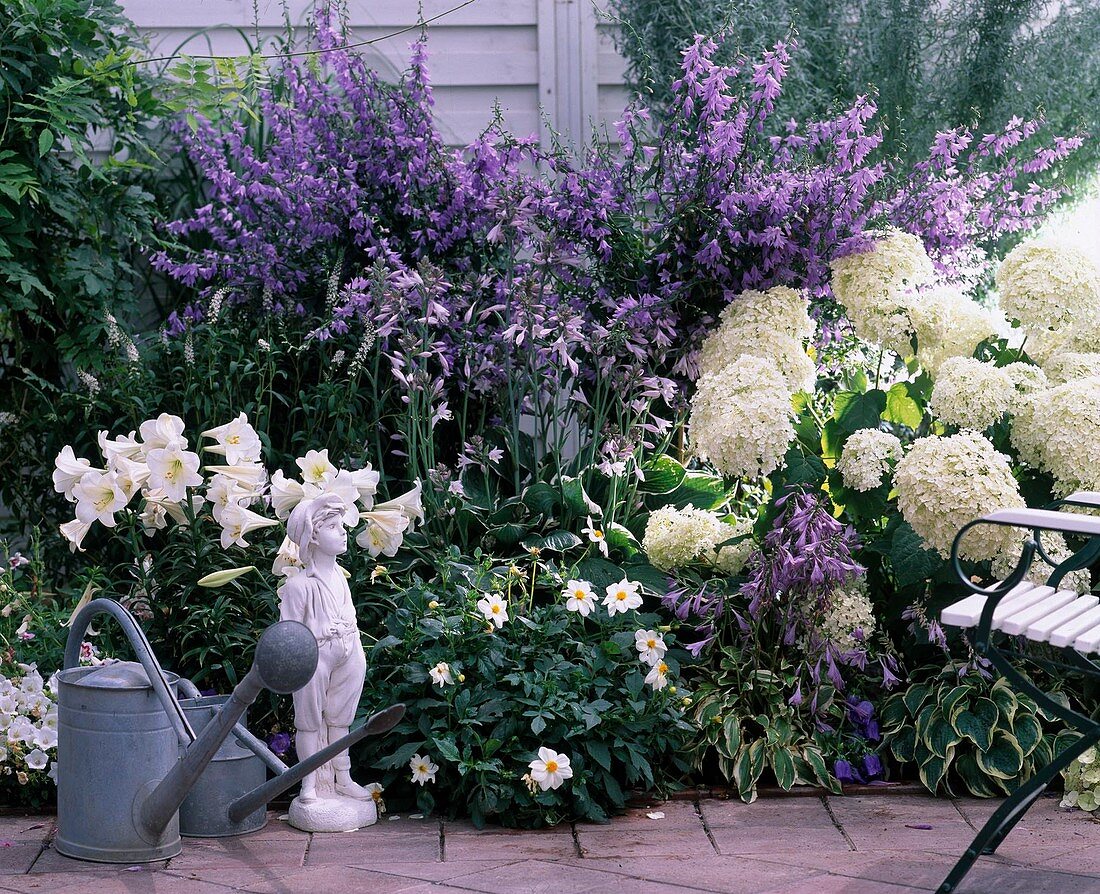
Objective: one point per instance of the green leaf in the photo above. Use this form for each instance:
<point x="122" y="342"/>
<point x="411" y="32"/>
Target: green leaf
<point x="1004" y="758"/>
<point x="541" y="498"/>
<point x="903" y="745"/>
<point x="621" y="539"/>
<point x="599" y="572"/>
<point x="855" y="411"/>
<point x="914" y="697"/>
<point x="45" y="141"/>
<point x="698" y="489"/>
<point x="1005" y="700"/>
<point x="941" y="737"/>
<point x="901" y="408"/>
<point x="1028" y="732"/>
<point x="556" y="541"/>
<point x="663" y="475"/>
<point x="932" y="772"/>
<point x="731" y="729"/>
<point x="977" y="723"/>
<point x="447" y="749"/>
<point x="601" y="753"/>
<point x="783" y="767"/>
<point x="577" y="500"/>
<point x="910" y="561"/>
<point x="801" y="467"/>
<point x="974" y="778"/>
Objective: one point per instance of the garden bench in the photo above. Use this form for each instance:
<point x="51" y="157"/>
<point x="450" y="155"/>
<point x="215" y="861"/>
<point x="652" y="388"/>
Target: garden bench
<point x="1023" y="611"/>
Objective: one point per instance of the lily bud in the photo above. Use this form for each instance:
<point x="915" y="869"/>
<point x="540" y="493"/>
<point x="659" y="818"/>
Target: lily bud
<point x="221" y="578"/>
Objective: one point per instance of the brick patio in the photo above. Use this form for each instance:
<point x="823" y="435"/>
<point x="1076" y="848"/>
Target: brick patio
<point x="798" y="845"/>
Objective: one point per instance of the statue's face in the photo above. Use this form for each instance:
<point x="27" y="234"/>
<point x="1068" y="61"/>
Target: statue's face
<point x="331" y="537"/>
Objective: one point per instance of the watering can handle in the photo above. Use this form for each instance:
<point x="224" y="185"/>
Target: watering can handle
<point x="256" y="746"/>
<point x="144" y="652"/>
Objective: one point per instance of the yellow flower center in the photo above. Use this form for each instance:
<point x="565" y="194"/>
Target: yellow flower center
<point x="173" y="469"/>
<point x="495" y="609"/>
<point x="233" y="439"/>
<point x="551" y="766"/>
<point x="662" y="668"/>
<point x="422" y="768"/>
<point x="376" y="795"/>
<point x="621" y="595"/>
<point x="597" y="535"/>
<point x="579" y="594"/>
<point x="651" y="643"/>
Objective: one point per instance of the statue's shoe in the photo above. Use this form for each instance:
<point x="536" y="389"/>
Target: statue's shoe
<point x="354" y="790"/>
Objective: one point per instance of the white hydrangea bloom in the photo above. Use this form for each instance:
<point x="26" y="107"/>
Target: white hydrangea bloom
<point x="872" y="285"/>
<point x="945" y="482"/>
<point x="971" y="394"/>
<point x="1066" y="366"/>
<point x="732" y="558"/>
<point x="1026" y="377"/>
<point x="778" y="309"/>
<point x="850" y="610"/>
<point x="741" y="418"/>
<point x="866" y="458"/>
<point x="675" y="537"/>
<point x="1047" y="285"/>
<point x="1082" y="788"/>
<point x="1057" y="431"/>
<point x="947" y="324"/>
<point x="1055" y="546"/>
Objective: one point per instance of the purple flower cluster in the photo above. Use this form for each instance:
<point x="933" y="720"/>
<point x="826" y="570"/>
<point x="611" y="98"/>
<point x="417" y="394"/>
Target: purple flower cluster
<point x="863" y="733"/>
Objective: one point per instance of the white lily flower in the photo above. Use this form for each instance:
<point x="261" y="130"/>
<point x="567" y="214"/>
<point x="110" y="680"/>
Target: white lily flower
<point x="316" y="467"/>
<point x="656" y="676"/>
<point x="237" y="441"/>
<point x="173" y="469"/>
<point x="366" y="483"/>
<point x="162" y="433"/>
<point x="98" y="497"/>
<point x="131" y="474"/>
<point x="579" y="597"/>
<point x="384" y="533"/>
<point x="126" y="446"/>
<point x="550" y="769"/>
<point x="237" y="522"/>
<point x="251" y="476"/>
<point x="224" y="491"/>
<point x="74" y="531"/>
<point x="68" y="470"/>
<point x="622" y="597"/>
<point x="596" y="536"/>
<point x="409" y="503"/>
<point x="494" y="608"/>
<point x="341" y="485"/>
<point x="441" y="675"/>
<point x="423" y="770"/>
<point x="650" y="645"/>
<point x="285" y="494"/>
<point x="174" y="508"/>
<point x="287" y="561"/>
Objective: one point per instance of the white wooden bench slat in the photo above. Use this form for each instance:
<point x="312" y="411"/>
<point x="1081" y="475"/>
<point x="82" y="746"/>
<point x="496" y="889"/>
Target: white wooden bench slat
<point x="966" y="612"/>
<point x="1020" y="621"/>
<point x="1040" y="630"/>
<point x="1048" y="519"/>
<point x="1089" y="641"/>
<point x="1006" y="609"/>
<point x="1068" y="632"/>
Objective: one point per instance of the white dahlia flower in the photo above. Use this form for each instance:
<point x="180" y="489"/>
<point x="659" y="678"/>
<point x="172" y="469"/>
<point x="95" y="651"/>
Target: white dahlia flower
<point x="1046" y="285"/>
<point x="971" y="394"/>
<point x="945" y="482"/>
<point x="866" y="458"/>
<point x="741" y="418"/>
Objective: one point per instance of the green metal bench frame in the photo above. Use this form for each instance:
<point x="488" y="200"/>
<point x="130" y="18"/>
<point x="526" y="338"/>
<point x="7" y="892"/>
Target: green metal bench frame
<point x="1000" y="653"/>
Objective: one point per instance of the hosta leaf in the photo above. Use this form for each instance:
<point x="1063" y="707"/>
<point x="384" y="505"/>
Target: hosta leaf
<point x="783" y="767"/>
<point x="1005" y="700"/>
<point x="975" y="728"/>
<point x="556" y="541"/>
<point x="1028" y="732"/>
<point x="941" y="736"/>
<point x="731" y="729"/>
<point x="1004" y="758"/>
<point x="904" y="744"/>
<point x="914" y="697"/>
<point x="954" y="702"/>
<point x="932" y="772"/>
<point x="662" y="475"/>
<point x="972" y="776"/>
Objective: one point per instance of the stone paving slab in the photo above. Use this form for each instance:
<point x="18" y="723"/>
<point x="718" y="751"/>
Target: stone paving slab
<point x="862" y="844"/>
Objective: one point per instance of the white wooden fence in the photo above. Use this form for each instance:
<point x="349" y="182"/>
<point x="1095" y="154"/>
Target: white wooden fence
<point x="534" y="57"/>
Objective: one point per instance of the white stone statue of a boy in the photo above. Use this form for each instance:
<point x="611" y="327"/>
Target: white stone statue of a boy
<point x="318" y="596"/>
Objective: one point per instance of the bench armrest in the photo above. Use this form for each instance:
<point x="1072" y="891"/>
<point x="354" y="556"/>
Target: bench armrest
<point x="1046" y="520"/>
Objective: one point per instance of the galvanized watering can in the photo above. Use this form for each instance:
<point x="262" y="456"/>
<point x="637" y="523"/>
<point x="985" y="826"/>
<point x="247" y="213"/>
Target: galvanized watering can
<point x="129" y="757"/>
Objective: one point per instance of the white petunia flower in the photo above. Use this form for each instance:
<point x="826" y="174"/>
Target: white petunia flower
<point x="622" y="597"/>
<point x="98" y="497"/>
<point x="237" y="441"/>
<point x="423" y="770"/>
<point x="579" y="597"/>
<point x="172" y="470"/>
<point x="650" y="645"/>
<point x="441" y="675"/>
<point x="494" y="608"/>
<point x="550" y="769"/>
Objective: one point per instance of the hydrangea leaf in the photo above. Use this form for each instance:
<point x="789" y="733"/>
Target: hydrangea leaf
<point x="910" y="561"/>
<point x="855" y="411"/>
<point x="901" y="407"/>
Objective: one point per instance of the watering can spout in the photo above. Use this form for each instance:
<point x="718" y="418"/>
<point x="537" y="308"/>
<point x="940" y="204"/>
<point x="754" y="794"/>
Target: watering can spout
<point x="286" y="658"/>
<point x="377" y="724"/>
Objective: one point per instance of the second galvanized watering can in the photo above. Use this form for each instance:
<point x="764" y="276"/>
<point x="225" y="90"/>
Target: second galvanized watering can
<point x="129" y="756"/>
